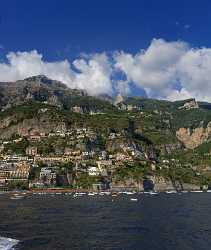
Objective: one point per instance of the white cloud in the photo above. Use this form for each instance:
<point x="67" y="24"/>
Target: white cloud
<point x="95" y="74"/>
<point x="153" y="69"/>
<point x="168" y="70"/>
<point x="91" y="74"/>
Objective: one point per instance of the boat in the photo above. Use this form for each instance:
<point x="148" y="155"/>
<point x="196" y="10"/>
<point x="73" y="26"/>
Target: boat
<point x="129" y="193"/>
<point x="196" y="191"/>
<point x="17" y="197"/>
<point x="91" y="194"/>
<point x="171" y="192"/>
<point x="81" y="193"/>
<point x="153" y="193"/>
<point x="105" y="193"/>
<point x="77" y="194"/>
<point x="134" y="199"/>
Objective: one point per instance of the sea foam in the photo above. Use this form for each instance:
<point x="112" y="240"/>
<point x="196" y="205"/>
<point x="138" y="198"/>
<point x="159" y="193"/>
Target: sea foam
<point x="7" y="243"/>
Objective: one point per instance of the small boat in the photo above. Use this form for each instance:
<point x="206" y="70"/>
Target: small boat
<point x="105" y="193"/>
<point x="91" y="194"/>
<point x="171" y="192"/>
<point x="17" y="197"/>
<point x="78" y="194"/>
<point x="129" y="193"/>
<point x="153" y="193"/>
<point x="196" y="191"/>
<point x="134" y="199"/>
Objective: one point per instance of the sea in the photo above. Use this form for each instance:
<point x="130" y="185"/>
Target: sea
<point x="143" y="221"/>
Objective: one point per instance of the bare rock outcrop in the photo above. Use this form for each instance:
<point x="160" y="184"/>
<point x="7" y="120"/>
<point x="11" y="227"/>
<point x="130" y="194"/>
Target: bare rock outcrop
<point x="192" y="138"/>
<point x="30" y="126"/>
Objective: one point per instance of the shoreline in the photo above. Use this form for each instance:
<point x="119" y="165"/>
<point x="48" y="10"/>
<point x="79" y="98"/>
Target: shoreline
<point x="85" y="191"/>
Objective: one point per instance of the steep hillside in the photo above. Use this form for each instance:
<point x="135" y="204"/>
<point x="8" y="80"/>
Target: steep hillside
<point x="41" y="104"/>
<point x="42" y="89"/>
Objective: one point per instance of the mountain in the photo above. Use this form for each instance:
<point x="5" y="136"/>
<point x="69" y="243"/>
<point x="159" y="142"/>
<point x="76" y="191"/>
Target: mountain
<point x="185" y="123"/>
<point x="143" y="136"/>
<point x="42" y="89"/>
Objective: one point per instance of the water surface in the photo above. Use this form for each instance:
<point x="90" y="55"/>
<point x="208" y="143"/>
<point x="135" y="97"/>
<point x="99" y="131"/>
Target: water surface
<point x="161" y="222"/>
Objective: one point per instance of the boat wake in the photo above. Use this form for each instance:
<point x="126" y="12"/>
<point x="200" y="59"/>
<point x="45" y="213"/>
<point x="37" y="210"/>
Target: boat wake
<point x="7" y="243"/>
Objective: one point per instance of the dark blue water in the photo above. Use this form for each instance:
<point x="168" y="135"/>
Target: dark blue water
<point x="162" y="222"/>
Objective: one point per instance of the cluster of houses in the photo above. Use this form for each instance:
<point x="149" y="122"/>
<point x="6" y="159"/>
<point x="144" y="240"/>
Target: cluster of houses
<point x="95" y="163"/>
<point x="14" y="170"/>
<point x="50" y="173"/>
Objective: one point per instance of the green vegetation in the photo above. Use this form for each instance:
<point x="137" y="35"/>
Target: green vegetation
<point x="18" y="185"/>
<point x="151" y="126"/>
<point x="16" y="147"/>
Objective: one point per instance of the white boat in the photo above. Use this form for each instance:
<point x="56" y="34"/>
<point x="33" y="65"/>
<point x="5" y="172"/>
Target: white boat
<point x="17" y="197"/>
<point x="91" y="194"/>
<point x="171" y="192"/>
<point x="209" y="191"/>
<point x="129" y="193"/>
<point x="105" y="193"/>
<point x="196" y="191"/>
<point x="153" y="193"/>
<point x="78" y="194"/>
<point x="134" y="199"/>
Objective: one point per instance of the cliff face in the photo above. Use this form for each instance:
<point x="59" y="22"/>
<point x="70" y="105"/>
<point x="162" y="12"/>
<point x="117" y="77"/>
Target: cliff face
<point x="36" y="88"/>
<point x="192" y="138"/>
<point x="10" y="126"/>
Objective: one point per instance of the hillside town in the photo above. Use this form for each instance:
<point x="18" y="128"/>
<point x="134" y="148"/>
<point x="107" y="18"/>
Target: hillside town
<point x="80" y="164"/>
<point x="61" y="168"/>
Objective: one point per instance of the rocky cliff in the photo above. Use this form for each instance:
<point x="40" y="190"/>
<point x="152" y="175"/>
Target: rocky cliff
<point x="192" y="138"/>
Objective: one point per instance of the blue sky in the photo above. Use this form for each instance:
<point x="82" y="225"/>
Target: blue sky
<point x="157" y="47"/>
<point x="63" y="28"/>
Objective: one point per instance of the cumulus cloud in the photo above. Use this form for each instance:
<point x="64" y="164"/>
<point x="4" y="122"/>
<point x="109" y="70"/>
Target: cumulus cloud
<point x="95" y="74"/>
<point x="91" y="74"/>
<point x="167" y="70"/>
<point x="153" y="69"/>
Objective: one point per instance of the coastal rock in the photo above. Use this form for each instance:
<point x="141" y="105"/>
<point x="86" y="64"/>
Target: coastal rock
<point x="191" y="104"/>
<point x="192" y="138"/>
